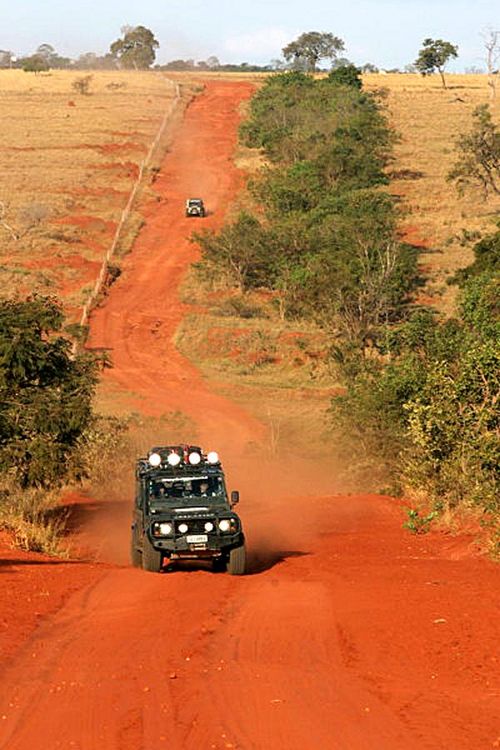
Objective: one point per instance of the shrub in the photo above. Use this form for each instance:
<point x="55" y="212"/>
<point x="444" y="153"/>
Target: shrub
<point x="82" y="84"/>
<point x="45" y="394"/>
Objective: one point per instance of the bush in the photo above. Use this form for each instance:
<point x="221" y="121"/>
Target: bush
<point x="82" y="84"/>
<point x="478" y="162"/>
<point x="45" y="394"/>
<point x="430" y="413"/>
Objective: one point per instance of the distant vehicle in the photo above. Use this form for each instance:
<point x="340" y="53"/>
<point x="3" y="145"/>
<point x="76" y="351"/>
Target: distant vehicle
<point x="182" y="511"/>
<point x="195" y="207"/>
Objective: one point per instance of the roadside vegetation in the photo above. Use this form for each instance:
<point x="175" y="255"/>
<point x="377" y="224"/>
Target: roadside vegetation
<point x="51" y="435"/>
<point x="320" y="238"/>
<point x="45" y="410"/>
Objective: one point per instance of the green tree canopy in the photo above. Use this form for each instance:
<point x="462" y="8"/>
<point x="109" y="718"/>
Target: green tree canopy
<point x="311" y="47"/>
<point x="34" y="64"/>
<point x="478" y="162"/>
<point x="45" y="393"/>
<point x="434" y="55"/>
<point x="346" y="75"/>
<point x="136" y="49"/>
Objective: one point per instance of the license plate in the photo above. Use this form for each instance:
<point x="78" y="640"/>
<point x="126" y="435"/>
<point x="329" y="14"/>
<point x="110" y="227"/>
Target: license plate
<point x="197" y="539"/>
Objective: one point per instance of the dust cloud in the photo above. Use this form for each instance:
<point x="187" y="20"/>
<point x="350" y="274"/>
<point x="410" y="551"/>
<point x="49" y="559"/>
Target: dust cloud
<point x="281" y="506"/>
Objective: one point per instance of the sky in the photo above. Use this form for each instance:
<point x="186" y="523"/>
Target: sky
<point x="387" y="33"/>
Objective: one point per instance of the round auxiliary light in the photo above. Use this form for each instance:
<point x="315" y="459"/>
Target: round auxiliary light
<point x="194" y="458"/>
<point x="213" y="457"/>
<point x="173" y="459"/>
<point x="154" y="459"/>
<point x="165" y="529"/>
<point x="209" y="526"/>
<point x="183" y="528"/>
<point x="224" y="525"/>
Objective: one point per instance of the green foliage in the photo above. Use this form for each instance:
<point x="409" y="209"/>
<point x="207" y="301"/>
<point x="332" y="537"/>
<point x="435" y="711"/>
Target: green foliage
<point x="346" y="75"/>
<point x="34" y="64"/>
<point x="311" y="47"/>
<point x="341" y="129"/>
<point x="45" y="394"/>
<point x="486" y="260"/>
<point x="478" y="163"/>
<point x="431" y="414"/>
<point x="325" y="245"/>
<point x="434" y="55"/>
<point x="235" y="256"/>
<point x="136" y="49"/>
<point x="418" y="524"/>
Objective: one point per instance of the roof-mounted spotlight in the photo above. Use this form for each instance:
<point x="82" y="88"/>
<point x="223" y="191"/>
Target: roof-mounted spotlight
<point x="213" y="457"/>
<point x="173" y="459"/>
<point x="154" y="459"/>
<point x="194" y="458"/>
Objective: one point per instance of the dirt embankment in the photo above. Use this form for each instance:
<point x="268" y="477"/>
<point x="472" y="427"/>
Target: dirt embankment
<point x="347" y="634"/>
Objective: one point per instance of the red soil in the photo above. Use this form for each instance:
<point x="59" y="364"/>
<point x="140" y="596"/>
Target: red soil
<point x="128" y="168"/>
<point x="90" y="223"/>
<point x="348" y="634"/>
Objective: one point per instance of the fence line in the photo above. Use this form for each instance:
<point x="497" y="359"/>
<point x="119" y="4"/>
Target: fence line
<point x="87" y="307"/>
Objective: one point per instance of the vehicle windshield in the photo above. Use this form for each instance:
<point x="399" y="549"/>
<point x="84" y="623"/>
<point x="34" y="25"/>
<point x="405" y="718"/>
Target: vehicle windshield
<point x="186" y="490"/>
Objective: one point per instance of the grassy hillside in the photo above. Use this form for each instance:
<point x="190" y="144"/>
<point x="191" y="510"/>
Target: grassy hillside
<point x="67" y="165"/>
<point x="429" y="119"/>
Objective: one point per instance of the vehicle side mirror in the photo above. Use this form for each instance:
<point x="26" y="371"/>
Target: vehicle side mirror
<point x="235" y="497"/>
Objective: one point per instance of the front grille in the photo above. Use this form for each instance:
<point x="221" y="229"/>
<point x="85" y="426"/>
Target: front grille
<point x="195" y="525"/>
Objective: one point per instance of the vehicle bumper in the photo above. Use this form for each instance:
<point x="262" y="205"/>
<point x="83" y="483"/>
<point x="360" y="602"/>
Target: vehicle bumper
<point x="214" y="547"/>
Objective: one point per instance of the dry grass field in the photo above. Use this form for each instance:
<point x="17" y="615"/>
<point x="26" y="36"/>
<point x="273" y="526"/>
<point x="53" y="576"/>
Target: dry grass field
<point x="429" y="119"/>
<point x="67" y="164"/>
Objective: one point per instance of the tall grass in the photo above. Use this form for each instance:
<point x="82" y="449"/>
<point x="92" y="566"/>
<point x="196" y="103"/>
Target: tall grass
<point x="35" y="519"/>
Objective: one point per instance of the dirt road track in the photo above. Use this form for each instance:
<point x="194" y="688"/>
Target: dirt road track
<point x="348" y="634"/>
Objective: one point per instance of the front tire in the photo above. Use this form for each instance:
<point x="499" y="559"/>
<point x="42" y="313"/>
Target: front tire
<point x="237" y="561"/>
<point x="151" y="558"/>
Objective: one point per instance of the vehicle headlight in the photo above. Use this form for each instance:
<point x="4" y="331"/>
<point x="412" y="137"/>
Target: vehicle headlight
<point x="183" y="528"/>
<point x="162" y="529"/>
<point x="225" y="524"/>
<point x="209" y="526"/>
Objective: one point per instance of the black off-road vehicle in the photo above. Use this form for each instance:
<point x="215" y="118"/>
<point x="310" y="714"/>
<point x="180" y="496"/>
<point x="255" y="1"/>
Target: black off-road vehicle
<point x="195" y="207"/>
<point x="182" y="511"/>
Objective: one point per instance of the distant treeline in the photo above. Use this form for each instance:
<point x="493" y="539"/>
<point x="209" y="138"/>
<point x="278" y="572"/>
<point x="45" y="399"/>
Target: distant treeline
<point x="46" y="58"/>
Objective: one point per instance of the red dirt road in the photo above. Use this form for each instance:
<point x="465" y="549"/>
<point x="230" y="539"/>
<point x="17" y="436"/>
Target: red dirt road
<point x="348" y="633"/>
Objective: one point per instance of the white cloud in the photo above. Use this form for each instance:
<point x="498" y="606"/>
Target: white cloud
<point x="263" y="44"/>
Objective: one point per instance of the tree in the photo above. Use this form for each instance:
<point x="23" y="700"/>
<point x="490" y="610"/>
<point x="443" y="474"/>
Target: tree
<point x="82" y="84"/>
<point x="434" y="55"/>
<point x="311" y="47"/>
<point x="34" y="64"/>
<point x="45" y="393"/>
<point x="237" y="255"/>
<point x="478" y="155"/>
<point x="213" y="62"/>
<point x="136" y="48"/>
<point x="491" y="39"/>
<point x="48" y="53"/>
<point x="346" y="75"/>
